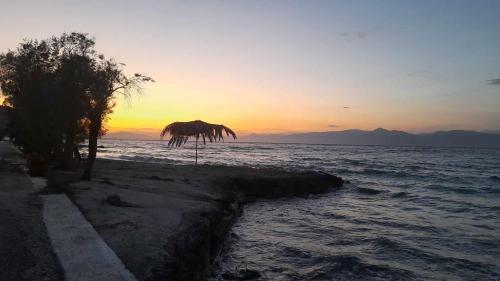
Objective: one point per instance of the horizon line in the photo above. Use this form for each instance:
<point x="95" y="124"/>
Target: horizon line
<point x="149" y="131"/>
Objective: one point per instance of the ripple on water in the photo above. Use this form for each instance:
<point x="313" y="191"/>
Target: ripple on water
<point x="350" y="267"/>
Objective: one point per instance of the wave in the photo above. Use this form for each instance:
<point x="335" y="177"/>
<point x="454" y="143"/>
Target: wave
<point x="413" y="167"/>
<point x="335" y="216"/>
<point x="400" y="194"/>
<point x="386" y="247"/>
<point x="368" y="191"/>
<point x="350" y="267"/>
<point x="295" y="253"/>
<point x="148" y="159"/>
<point x="310" y="159"/>
<point x="352" y="161"/>
<point x="374" y="172"/>
<point x="386" y="222"/>
<point x="251" y="147"/>
<point x="454" y="189"/>
<point x="393" y="173"/>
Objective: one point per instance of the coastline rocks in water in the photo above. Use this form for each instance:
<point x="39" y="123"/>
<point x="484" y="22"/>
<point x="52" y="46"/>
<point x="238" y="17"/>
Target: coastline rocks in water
<point x="283" y="185"/>
<point x="244" y="274"/>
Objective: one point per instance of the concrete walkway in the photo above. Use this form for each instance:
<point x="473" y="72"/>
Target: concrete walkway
<point x="82" y="252"/>
<point x="27" y="252"/>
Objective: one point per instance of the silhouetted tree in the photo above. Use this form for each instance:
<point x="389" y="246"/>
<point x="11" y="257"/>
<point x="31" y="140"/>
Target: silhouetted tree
<point x="45" y="83"/>
<point x="59" y="91"/>
<point x="74" y="55"/>
<point x="28" y="82"/>
<point x="108" y="81"/>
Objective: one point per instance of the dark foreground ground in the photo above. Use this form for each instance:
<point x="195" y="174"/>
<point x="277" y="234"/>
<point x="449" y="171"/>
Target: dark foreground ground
<point x="169" y="222"/>
<point x="25" y="251"/>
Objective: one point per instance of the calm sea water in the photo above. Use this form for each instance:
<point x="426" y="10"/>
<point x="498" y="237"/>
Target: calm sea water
<point x="408" y="213"/>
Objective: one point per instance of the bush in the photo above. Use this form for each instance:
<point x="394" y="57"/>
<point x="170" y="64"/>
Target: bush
<point x="37" y="165"/>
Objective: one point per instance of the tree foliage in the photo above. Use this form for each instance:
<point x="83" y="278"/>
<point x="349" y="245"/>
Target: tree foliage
<point x="108" y="81"/>
<point x="60" y="91"/>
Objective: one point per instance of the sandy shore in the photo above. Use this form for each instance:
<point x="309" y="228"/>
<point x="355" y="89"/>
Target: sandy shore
<point x="170" y="221"/>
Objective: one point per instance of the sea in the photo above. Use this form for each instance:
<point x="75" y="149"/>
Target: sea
<point x="405" y="213"/>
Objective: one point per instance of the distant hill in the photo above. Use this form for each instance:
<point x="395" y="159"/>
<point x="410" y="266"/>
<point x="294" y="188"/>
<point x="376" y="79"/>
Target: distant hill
<point x="125" y="135"/>
<point x="381" y="136"/>
<point x="492" y="132"/>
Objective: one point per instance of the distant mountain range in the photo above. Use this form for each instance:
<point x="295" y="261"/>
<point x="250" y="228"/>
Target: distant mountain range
<point x="384" y="137"/>
<point x="125" y="135"/>
<point x="379" y="136"/>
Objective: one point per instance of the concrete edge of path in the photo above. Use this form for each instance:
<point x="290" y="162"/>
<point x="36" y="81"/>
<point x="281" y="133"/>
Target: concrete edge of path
<point x="83" y="254"/>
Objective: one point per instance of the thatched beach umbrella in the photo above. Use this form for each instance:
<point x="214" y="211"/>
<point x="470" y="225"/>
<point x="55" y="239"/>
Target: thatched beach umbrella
<point x="181" y="131"/>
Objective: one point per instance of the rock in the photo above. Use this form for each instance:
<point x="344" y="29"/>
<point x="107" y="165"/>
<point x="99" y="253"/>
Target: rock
<point x="229" y="276"/>
<point x="107" y="181"/>
<point x="115" y="200"/>
<point x="244" y="274"/>
<point x="248" y="274"/>
<point x="283" y="185"/>
<point x="160" y="178"/>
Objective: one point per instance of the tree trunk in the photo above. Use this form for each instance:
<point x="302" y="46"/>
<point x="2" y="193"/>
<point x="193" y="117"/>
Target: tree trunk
<point x="93" y="135"/>
<point x="67" y="155"/>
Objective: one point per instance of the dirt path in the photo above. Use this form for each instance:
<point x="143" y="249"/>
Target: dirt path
<point x="25" y="251"/>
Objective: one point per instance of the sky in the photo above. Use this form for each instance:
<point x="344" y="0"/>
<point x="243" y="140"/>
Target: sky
<point x="289" y="66"/>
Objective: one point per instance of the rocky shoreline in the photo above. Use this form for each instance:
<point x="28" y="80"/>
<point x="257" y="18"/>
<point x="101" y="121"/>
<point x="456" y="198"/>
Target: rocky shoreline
<point x="169" y="222"/>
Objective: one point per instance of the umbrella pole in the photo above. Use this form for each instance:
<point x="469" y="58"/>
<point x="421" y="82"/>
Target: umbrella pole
<point x="196" y="154"/>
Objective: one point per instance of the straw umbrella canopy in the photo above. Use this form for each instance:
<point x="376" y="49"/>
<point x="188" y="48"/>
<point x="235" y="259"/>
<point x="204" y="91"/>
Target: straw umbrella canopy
<point x="181" y="131"/>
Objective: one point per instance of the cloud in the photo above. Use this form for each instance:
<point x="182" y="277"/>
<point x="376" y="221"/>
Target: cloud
<point x="357" y="35"/>
<point x="333" y="126"/>
<point x="346" y="107"/>
<point x="494" y="81"/>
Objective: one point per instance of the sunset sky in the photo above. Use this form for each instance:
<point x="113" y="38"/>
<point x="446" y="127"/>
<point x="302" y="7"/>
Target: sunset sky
<point x="290" y="66"/>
